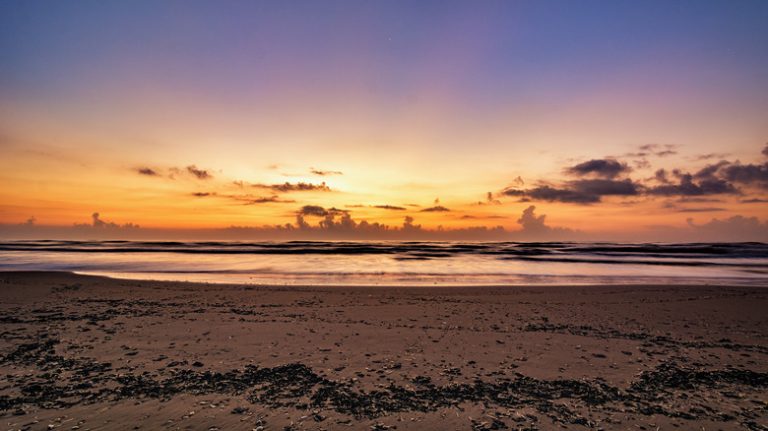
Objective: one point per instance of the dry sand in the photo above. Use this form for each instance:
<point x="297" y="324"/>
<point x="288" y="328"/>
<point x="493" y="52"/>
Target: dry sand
<point x="81" y="352"/>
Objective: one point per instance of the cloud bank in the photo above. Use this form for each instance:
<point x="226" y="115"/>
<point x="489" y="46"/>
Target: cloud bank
<point x="600" y="178"/>
<point x="315" y="222"/>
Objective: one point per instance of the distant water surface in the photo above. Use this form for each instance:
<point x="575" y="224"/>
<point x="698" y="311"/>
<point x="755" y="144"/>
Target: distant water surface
<point x="398" y="263"/>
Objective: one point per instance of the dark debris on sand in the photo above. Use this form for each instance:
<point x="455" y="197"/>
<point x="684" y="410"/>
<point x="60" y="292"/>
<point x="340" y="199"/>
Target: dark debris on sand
<point x="63" y="382"/>
<point x="659" y="340"/>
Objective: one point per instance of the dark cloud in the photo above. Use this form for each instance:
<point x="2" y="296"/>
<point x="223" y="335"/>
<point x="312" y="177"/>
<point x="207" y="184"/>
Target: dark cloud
<point x="551" y="194"/>
<point x="604" y="168"/>
<point x="200" y="174"/>
<point x="202" y="194"/>
<point x="688" y="187"/>
<point x="719" y="178"/>
<point x="312" y="210"/>
<point x="329" y="218"/>
<point x="600" y="187"/>
<point x="705" y="182"/>
<point x="709" y="171"/>
<point x="765" y="150"/>
<point x="754" y="175"/>
<point x="323" y="173"/>
<point x="148" y="172"/>
<point x="754" y="201"/>
<point x="579" y="192"/>
<point x="295" y="187"/>
<point x="389" y="207"/>
<point x="436" y="208"/>
<point x="735" y="172"/>
<point x="661" y="176"/>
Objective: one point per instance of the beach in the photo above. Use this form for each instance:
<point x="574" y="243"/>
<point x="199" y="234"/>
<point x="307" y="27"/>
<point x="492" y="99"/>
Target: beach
<point x="86" y="352"/>
<point x="384" y="215"/>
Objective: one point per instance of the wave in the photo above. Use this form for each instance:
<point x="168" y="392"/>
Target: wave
<point x="371" y="262"/>
<point x="415" y="249"/>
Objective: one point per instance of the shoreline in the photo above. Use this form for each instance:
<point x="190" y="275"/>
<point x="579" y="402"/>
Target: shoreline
<point x="759" y="283"/>
<point x="99" y="353"/>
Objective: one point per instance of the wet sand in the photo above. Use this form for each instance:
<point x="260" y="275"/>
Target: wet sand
<point x="80" y="352"/>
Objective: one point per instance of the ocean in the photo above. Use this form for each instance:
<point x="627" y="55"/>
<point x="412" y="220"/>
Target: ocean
<point x="398" y="263"/>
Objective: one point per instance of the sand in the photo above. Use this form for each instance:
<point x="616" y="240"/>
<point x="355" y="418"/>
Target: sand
<point x="82" y="352"/>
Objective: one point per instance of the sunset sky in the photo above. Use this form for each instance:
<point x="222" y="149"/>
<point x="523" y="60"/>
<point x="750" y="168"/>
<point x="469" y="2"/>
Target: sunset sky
<point x="607" y="116"/>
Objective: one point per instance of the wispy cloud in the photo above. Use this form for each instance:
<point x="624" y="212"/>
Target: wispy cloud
<point x="269" y="199"/>
<point x="174" y="172"/>
<point x="710" y="156"/>
<point x="295" y="187"/>
<point x="700" y="210"/>
<point x="657" y="150"/>
<point x="324" y="173"/>
<point x="489" y="200"/>
<point x="389" y="207"/>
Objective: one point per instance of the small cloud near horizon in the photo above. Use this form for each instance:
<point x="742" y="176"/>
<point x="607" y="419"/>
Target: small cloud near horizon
<point x="436" y="208"/>
<point x="147" y="171"/>
<point x="324" y="173"/>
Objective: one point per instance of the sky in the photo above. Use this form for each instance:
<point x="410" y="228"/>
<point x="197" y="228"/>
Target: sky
<point x="618" y="119"/>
